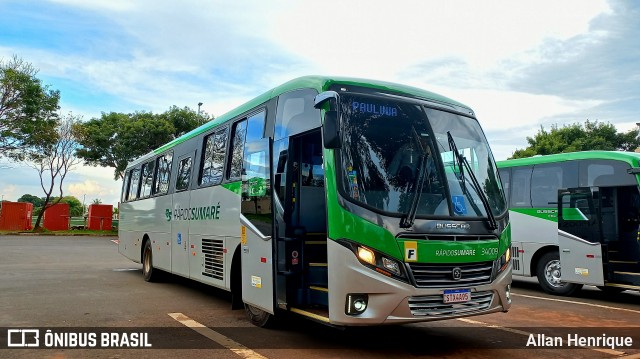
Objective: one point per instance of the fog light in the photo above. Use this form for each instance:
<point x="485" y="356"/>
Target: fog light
<point x="356" y="304"/>
<point x="508" y="293"/>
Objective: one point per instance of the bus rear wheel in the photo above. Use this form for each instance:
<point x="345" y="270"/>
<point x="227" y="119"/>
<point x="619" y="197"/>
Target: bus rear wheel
<point x="258" y="317"/>
<point x="148" y="272"/>
<point x="548" y="272"/>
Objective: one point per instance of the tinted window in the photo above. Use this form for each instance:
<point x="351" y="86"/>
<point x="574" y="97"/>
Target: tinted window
<point x="603" y="173"/>
<point x="251" y="129"/>
<point x="147" y="179"/>
<point x="545" y="182"/>
<point x="521" y="187"/>
<point x="213" y="157"/>
<point x="184" y="174"/>
<point x="134" y="184"/>
<point x="505" y="177"/>
<point x="237" y="147"/>
<point x="125" y="187"/>
<point x="163" y="167"/>
<point x="296" y="114"/>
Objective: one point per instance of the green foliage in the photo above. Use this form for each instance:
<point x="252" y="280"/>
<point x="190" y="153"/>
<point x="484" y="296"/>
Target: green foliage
<point x="28" y="111"/>
<point x="28" y="198"/>
<point x="115" y="139"/>
<point x="75" y="206"/>
<point x="578" y="137"/>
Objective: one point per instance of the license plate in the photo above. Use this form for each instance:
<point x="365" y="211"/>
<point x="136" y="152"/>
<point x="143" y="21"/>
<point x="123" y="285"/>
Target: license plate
<point x="457" y="295"/>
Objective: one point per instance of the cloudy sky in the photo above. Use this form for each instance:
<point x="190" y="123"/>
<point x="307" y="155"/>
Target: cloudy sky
<point x="518" y="64"/>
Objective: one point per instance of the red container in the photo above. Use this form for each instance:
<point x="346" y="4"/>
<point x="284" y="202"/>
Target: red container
<point x="100" y="216"/>
<point x="16" y="216"/>
<point x="56" y="217"/>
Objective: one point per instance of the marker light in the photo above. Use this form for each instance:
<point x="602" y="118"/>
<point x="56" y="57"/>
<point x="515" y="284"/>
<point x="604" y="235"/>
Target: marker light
<point x="504" y="259"/>
<point x="366" y="255"/>
<point x="391" y="265"/>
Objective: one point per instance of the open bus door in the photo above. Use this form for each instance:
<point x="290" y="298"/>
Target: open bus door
<point x="579" y="236"/>
<point x="256" y="244"/>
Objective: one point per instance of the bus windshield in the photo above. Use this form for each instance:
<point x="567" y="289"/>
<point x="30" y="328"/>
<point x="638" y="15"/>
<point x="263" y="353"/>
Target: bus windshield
<point x="387" y="141"/>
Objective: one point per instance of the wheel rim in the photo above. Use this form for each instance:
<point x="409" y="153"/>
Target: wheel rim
<point x="147" y="261"/>
<point x="254" y="311"/>
<point x="552" y="274"/>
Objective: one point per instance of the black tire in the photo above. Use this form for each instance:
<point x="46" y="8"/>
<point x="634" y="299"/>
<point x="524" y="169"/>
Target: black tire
<point x="259" y="317"/>
<point x="548" y="271"/>
<point x="148" y="272"/>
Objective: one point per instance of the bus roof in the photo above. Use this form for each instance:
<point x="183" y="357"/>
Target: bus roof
<point x="319" y="83"/>
<point x="631" y="158"/>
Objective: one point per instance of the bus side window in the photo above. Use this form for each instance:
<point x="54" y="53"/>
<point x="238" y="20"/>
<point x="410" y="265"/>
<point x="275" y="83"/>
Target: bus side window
<point x="184" y="174"/>
<point x="295" y="113"/>
<point x="606" y="173"/>
<point x="521" y="187"/>
<point x="505" y="177"/>
<point x="163" y="168"/>
<point x="247" y="131"/>
<point x="134" y="184"/>
<point x="213" y="157"/>
<point x="238" y="134"/>
<point x="147" y="179"/>
<point x="545" y="182"/>
<point x="125" y="186"/>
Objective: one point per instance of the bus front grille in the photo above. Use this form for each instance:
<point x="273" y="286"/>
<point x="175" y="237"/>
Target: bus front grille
<point x="433" y="305"/>
<point x="213" y="261"/>
<point x="435" y="275"/>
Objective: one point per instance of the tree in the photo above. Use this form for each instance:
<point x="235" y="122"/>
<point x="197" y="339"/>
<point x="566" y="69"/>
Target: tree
<point x="75" y="206"/>
<point x="55" y="162"/>
<point x="28" y="110"/>
<point x="28" y="198"/>
<point x="577" y="137"/>
<point x="97" y="201"/>
<point x="183" y="119"/>
<point x="115" y="139"/>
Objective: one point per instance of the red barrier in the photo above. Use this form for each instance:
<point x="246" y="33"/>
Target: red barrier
<point x="16" y="216"/>
<point x="56" y="217"/>
<point x="100" y="217"/>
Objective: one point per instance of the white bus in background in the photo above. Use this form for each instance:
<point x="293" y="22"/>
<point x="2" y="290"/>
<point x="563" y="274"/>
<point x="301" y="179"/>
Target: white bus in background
<point x="575" y="219"/>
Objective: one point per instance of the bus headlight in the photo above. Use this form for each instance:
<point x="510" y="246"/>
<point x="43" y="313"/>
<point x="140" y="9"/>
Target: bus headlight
<point x="367" y="255"/>
<point x="376" y="261"/>
<point x="503" y="261"/>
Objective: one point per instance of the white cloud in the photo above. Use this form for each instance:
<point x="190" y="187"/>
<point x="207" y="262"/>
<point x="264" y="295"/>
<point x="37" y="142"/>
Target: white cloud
<point x="94" y="182"/>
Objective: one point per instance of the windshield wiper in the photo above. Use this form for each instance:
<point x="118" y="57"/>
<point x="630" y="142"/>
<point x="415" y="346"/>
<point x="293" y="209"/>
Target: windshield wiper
<point x="408" y="219"/>
<point x="463" y="163"/>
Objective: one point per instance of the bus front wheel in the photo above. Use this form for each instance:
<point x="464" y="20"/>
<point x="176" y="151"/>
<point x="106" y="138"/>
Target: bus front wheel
<point x="258" y="317"/>
<point x="548" y="272"/>
<point x="149" y="274"/>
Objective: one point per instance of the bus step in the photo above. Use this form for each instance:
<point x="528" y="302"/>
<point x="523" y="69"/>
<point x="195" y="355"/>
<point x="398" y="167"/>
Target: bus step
<point x="630" y="278"/>
<point x="318" y="295"/>
<point x="317" y="275"/>
<point x="624" y="266"/>
<point x="318" y="314"/>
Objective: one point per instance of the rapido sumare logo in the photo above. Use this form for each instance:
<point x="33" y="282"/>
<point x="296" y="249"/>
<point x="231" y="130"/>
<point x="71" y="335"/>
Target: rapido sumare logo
<point x="204" y="213"/>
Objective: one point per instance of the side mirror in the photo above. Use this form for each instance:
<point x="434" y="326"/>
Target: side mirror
<point x="331" y="130"/>
<point x="331" y="124"/>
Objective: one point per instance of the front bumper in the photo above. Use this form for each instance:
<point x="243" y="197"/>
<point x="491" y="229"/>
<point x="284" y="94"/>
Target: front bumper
<point x="394" y="302"/>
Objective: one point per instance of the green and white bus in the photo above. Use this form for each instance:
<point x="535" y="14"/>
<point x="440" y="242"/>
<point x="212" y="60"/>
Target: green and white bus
<point x="351" y="202"/>
<point x="575" y="219"/>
